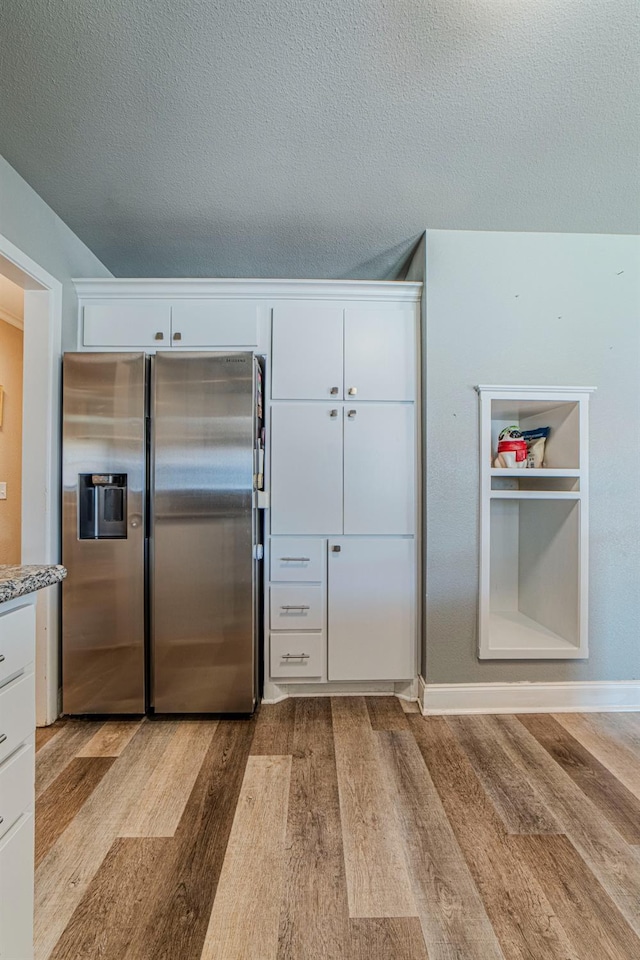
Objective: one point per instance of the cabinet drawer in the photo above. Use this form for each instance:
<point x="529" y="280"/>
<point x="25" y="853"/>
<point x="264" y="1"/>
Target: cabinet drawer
<point x="17" y="640"/>
<point x="296" y="608"/>
<point x="297" y="560"/>
<point x="17" y="713"/>
<point x="17" y="776"/>
<point x="296" y="655"/>
<point x="16" y="891"/>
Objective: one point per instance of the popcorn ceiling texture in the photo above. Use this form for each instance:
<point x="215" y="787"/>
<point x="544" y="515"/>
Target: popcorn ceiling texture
<point x="283" y="138"/>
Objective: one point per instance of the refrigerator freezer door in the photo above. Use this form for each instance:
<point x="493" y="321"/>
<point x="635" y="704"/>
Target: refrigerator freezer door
<point x="202" y="533"/>
<point x="103" y="604"/>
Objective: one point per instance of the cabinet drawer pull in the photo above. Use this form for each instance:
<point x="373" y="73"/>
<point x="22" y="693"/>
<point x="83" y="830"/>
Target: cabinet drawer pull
<point x="296" y="559"/>
<point x="295" y="606"/>
<point x="159" y="335"/>
<point x="2" y="658"/>
<point x="353" y="391"/>
<point x="333" y="413"/>
<point x="3" y="737"/>
<point x="333" y="391"/>
<point x="296" y="656"/>
<point x="351" y="414"/>
<point x="177" y="336"/>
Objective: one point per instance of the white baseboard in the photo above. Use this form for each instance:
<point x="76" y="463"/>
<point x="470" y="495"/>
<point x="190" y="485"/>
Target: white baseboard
<point x="580" y="697"/>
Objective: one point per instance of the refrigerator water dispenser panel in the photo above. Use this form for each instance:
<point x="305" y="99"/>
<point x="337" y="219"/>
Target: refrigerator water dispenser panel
<point x="102" y="506"/>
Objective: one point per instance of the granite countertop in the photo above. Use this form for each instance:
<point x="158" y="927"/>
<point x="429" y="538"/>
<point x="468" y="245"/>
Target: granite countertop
<point x="16" y="581"/>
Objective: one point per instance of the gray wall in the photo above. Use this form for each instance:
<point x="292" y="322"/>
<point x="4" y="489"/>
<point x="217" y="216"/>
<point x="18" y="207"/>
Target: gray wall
<point x="31" y="225"/>
<point x="518" y="308"/>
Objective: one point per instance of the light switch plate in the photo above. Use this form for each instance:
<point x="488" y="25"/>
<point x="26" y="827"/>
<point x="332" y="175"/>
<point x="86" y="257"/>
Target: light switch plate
<point x="3" y="490"/>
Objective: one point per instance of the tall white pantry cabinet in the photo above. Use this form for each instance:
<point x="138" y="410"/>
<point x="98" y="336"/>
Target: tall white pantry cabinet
<point x="341" y="413"/>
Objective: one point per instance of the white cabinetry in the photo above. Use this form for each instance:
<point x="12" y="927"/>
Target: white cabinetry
<point x="164" y="323"/>
<point x="380" y="346"/>
<point x="307" y="341"/>
<point x="306" y="468"/>
<point x="17" y="774"/>
<point x="534" y="528"/>
<point x="365" y="350"/>
<point x="371" y="626"/>
<point x="379" y="468"/>
<point x="343" y="464"/>
<point x="224" y="323"/>
<point x="127" y="323"/>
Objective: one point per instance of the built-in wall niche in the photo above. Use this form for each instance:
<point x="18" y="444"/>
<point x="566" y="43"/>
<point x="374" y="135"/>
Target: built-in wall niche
<point x="534" y="527"/>
<point x="534" y="604"/>
<point x="562" y="447"/>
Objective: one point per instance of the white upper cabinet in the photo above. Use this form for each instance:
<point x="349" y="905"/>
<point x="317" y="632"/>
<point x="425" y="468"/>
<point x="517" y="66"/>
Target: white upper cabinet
<point x="306" y="468"/>
<point x="127" y="323"/>
<point x="379" y="469"/>
<point x="380" y="350"/>
<point x="307" y="361"/>
<point x="223" y="323"/>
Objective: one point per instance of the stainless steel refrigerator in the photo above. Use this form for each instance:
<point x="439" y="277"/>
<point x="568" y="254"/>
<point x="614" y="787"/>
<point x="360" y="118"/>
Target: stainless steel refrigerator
<point x="161" y="535"/>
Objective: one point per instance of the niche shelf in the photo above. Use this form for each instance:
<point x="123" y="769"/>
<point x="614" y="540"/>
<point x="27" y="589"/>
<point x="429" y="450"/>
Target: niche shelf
<point x="534" y="528"/>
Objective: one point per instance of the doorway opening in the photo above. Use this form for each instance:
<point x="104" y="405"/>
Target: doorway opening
<point x="36" y="537"/>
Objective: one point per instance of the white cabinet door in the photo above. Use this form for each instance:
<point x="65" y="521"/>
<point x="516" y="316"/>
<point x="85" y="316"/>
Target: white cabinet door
<point x="127" y="323"/>
<point x="379" y="468"/>
<point x="214" y="323"/>
<point x="380" y="351"/>
<point x="371" y="628"/>
<point x="16" y="890"/>
<point x="307" y="351"/>
<point x="306" y="468"/>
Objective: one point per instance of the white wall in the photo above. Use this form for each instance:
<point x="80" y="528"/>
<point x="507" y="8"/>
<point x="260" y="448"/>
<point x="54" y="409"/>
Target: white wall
<point x="518" y="308"/>
<point x="27" y="221"/>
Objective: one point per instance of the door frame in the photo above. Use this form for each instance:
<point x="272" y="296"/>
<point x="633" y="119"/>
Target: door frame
<point x="40" y="455"/>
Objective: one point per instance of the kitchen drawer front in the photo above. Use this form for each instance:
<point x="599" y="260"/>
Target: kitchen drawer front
<point x="16" y="890"/>
<point x="297" y="655"/>
<point x="297" y="607"/>
<point x="17" y="713"/>
<point x="294" y="560"/>
<point x="17" y="640"/>
<point x="17" y="775"/>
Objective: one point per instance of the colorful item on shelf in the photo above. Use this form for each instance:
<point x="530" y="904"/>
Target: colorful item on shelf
<point x="512" y="449"/>
<point x="535" y="440"/>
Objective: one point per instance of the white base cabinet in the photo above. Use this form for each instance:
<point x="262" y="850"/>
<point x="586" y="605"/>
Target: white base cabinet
<point x="16" y="890"/>
<point x="371" y="622"/>
<point x="17" y="776"/>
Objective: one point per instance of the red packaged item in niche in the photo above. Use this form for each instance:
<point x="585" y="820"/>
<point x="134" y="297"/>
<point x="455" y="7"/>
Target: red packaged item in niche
<point x="512" y="449"/>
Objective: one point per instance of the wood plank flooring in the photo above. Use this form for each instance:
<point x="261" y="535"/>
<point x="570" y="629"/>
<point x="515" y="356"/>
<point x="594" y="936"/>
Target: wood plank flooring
<point x="343" y="829"/>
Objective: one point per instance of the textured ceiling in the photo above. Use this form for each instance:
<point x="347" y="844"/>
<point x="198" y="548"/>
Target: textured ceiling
<point x="319" y="139"/>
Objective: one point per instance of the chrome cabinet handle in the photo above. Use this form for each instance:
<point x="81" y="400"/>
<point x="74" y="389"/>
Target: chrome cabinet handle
<point x="296" y="559"/>
<point x="296" y="656"/>
<point x="333" y="391"/>
<point x="3" y="737"/>
<point x="2" y="658"/>
<point x="351" y="414"/>
<point x="333" y="413"/>
<point x="353" y="391"/>
<point x="336" y="549"/>
<point x="177" y="336"/>
<point x="159" y="335"/>
<point x="295" y="606"/>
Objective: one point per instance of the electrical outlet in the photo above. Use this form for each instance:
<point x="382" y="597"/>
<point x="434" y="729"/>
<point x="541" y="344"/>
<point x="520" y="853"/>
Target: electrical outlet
<point x="3" y="490"/>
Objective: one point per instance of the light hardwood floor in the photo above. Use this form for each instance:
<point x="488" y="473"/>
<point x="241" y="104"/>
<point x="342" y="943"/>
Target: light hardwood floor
<point x="344" y="829"/>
